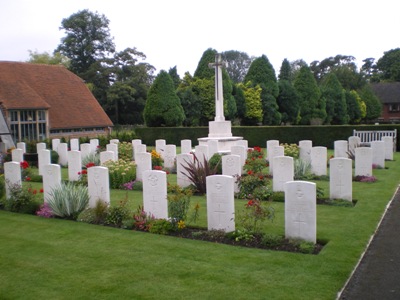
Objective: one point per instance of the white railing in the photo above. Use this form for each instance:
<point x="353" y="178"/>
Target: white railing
<point x="375" y="135"/>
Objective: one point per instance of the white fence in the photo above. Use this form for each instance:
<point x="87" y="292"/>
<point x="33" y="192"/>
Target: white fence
<point x="375" y="135"/>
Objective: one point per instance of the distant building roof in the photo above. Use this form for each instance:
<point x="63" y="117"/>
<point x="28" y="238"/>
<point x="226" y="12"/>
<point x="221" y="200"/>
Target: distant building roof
<point x="65" y="95"/>
<point x="387" y="92"/>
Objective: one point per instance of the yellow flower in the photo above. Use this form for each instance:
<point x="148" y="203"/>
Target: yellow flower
<point x="181" y="224"/>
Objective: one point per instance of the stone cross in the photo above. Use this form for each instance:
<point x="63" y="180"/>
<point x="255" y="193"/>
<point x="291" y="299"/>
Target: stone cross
<point x="219" y="93"/>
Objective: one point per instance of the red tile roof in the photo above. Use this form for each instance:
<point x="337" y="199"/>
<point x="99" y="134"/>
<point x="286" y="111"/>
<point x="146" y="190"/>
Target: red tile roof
<point x="65" y="95"/>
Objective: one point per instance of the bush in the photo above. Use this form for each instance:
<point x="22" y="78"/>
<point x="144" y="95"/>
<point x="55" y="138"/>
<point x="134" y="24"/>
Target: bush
<point x="120" y="172"/>
<point x="22" y="199"/>
<point x="94" y="215"/>
<point x="291" y="150"/>
<point x="254" y="186"/>
<point x="125" y="151"/>
<point x="302" y="169"/>
<point x="253" y="216"/>
<point x="178" y="204"/>
<point x="142" y="220"/>
<point x="156" y="159"/>
<point x="92" y="159"/>
<point x="161" y="226"/>
<point x="216" y="163"/>
<point x="68" y="200"/>
<point x="117" y="214"/>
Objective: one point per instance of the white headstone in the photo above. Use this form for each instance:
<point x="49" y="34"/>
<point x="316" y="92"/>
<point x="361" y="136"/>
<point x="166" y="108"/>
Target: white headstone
<point x="94" y="144"/>
<point x="44" y="158"/>
<point x="12" y="176"/>
<point x="340" y="179"/>
<point x="388" y="140"/>
<point x="135" y="142"/>
<point x="244" y="143"/>
<point x="40" y="146"/>
<point x="106" y="156"/>
<point x="160" y="147"/>
<point x="3" y="147"/>
<point x="114" y="141"/>
<point x="232" y="166"/>
<point x="305" y="150"/>
<point x="22" y="145"/>
<point x="212" y="147"/>
<point x="340" y="149"/>
<point x="139" y="148"/>
<point x="354" y="142"/>
<point x="86" y="150"/>
<point x="241" y="151"/>
<point x="363" y="161"/>
<point x="275" y="151"/>
<point x="220" y="203"/>
<point x="201" y="152"/>
<point x="113" y="148"/>
<point x="186" y="146"/>
<point x="74" y="165"/>
<point x="17" y="155"/>
<point x="74" y="143"/>
<point x="301" y="211"/>
<point x="169" y="157"/>
<point x="54" y="144"/>
<point x="283" y="172"/>
<point x="270" y="145"/>
<point x="378" y="153"/>
<point x="319" y="159"/>
<point x="63" y="154"/>
<point x="51" y="179"/>
<point x="143" y="163"/>
<point x="98" y="185"/>
<point x="182" y="161"/>
<point x="155" y="200"/>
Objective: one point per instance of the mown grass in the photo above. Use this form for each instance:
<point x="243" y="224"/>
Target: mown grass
<point x="59" y="259"/>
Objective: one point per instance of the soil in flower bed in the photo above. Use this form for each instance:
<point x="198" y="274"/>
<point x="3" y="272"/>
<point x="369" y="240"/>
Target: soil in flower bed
<point x="255" y="241"/>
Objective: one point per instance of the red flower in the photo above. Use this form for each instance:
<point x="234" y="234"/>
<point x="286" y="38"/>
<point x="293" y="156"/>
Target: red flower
<point x="24" y="164"/>
<point x="79" y="173"/>
<point x="91" y="164"/>
<point x="84" y="172"/>
<point x="250" y="172"/>
<point x="41" y="190"/>
<point x="158" y="168"/>
<point x="34" y="192"/>
<point x="260" y="156"/>
<point x="261" y="177"/>
<point x="250" y="203"/>
<point x="256" y="148"/>
<point x="27" y="178"/>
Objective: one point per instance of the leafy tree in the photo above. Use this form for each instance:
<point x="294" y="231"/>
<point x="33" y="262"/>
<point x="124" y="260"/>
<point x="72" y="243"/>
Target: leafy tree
<point x="389" y="65"/>
<point x="173" y="72"/>
<point x="203" y="70"/>
<point x="288" y="102"/>
<point x="312" y="107"/>
<point x="320" y="69"/>
<point x="87" y="40"/>
<point x="295" y="67"/>
<point x="373" y="104"/>
<point x="163" y="107"/>
<point x="48" y="59"/>
<point x="238" y="94"/>
<point x="134" y="77"/>
<point x="262" y="73"/>
<point x="252" y="95"/>
<point x="334" y="94"/>
<point x="237" y="64"/>
<point x="369" y="70"/>
<point x="204" y="89"/>
<point x="356" y="108"/>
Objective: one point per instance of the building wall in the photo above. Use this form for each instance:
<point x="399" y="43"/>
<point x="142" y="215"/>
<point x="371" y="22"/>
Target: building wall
<point x="390" y="116"/>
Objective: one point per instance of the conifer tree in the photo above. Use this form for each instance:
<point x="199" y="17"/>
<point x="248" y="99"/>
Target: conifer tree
<point x="163" y="107"/>
<point x="262" y="73"/>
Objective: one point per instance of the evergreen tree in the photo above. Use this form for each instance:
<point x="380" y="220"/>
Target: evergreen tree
<point x="252" y="95"/>
<point x="262" y="73"/>
<point x="190" y="101"/>
<point x="336" y="105"/>
<point x="356" y="109"/>
<point x="288" y="102"/>
<point x="173" y="72"/>
<point x="373" y="104"/>
<point x="163" y="107"/>
<point x="312" y="106"/>
<point x="238" y="94"/>
<point x="203" y="70"/>
<point x="285" y="71"/>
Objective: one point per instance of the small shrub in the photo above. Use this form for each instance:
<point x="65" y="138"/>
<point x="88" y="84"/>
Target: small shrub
<point x="68" y="200"/>
<point x="22" y="199"/>
<point x="216" y="163"/>
<point x="117" y="214"/>
<point x="142" y="219"/>
<point x="360" y="178"/>
<point x="96" y="214"/>
<point x="241" y="235"/>
<point x="254" y="215"/>
<point x="120" y="172"/>
<point x="255" y="161"/>
<point x="125" y="151"/>
<point x="178" y="203"/>
<point x="254" y="185"/>
<point x="302" y="169"/>
<point x="134" y="185"/>
<point x="291" y="150"/>
<point x="156" y="159"/>
<point x="92" y="159"/>
<point x="272" y="240"/>
<point x="277" y="197"/>
<point x="45" y="211"/>
<point x="54" y="157"/>
<point x="161" y="226"/>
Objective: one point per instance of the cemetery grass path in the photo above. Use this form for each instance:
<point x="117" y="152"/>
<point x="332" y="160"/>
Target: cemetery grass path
<point x="59" y="259"/>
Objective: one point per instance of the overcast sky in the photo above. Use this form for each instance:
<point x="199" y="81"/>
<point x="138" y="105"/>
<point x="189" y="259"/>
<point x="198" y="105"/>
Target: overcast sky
<point x="177" y="32"/>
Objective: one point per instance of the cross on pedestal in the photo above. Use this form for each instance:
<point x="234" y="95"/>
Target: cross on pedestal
<point x="219" y="93"/>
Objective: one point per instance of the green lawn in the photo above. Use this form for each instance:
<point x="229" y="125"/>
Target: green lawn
<point x="59" y="259"/>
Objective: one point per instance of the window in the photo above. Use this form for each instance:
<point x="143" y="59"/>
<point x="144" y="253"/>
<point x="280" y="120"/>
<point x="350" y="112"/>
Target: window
<point x="28" y="124"/>
<point x="394" y="107"/>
